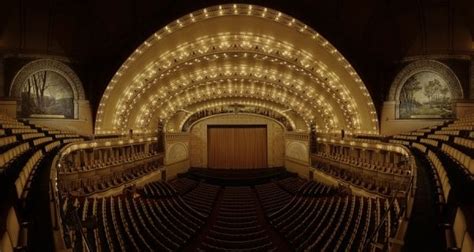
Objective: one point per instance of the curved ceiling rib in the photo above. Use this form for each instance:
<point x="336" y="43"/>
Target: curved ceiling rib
<point x="230" y="47"/>
<point x="146" y="115"/>
<point x="190" y="111"/>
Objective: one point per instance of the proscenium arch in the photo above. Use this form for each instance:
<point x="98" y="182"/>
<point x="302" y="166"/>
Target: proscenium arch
<point x="302" y="50"/>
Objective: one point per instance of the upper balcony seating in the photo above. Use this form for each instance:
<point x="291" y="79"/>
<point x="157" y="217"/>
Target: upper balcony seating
<point x="359" y="162"/>
<point x="99" y="164"/>
<point x="109" y="182"/>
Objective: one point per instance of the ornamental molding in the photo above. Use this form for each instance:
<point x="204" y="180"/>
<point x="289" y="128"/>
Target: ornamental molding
<point x="47" y="65"/>
<point x="421" y="66"/>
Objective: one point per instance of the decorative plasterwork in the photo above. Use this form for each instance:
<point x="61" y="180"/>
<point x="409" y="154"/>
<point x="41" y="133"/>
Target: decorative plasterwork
<point x="425" y="65"/>
<point x="47" y="65"/>
<point x="262" y="35"/>
<point x="310" y="109"/>
<point x="186" y="121"/>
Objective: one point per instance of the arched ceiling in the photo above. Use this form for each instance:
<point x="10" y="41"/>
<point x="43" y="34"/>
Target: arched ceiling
<point x="184" y="119"/>
<point x="95" y="37"/>
<point x="236" y="51"/>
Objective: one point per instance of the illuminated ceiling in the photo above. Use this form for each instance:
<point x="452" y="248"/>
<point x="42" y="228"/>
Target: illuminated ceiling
<point x="236" y="51"/>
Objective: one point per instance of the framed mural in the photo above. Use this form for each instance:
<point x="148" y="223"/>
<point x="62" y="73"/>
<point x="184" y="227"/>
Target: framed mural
<point x="47" y="88"/>
<point x="425" y="95"/>
<point x="425" y="89"/>
<point x="47" y="94"/>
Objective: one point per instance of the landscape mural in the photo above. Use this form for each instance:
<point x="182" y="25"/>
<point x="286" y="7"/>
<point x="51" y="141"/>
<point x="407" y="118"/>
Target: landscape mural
<point x="425" y="95"/>
<point x="47" y="94"/>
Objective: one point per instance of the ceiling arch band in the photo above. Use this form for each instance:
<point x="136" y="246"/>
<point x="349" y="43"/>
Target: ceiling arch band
<point x="262" y="36"/>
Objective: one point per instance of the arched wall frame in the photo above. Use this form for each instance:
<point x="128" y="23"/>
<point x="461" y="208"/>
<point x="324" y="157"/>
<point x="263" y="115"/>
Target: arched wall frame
<point x="424" y="66"/>
<point x="48" y="65"/>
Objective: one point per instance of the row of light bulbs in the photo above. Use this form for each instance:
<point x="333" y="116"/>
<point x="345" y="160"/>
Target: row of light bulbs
<point x="215" y="104"/>
<point x="237" y="88"/>
<point x="141" y="87"/>
<point x="242" y="71"/>
<point x="237" y="9"/>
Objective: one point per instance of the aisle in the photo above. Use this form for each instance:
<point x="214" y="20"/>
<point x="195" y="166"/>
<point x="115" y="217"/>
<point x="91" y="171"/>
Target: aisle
<point x="422" y="230"/>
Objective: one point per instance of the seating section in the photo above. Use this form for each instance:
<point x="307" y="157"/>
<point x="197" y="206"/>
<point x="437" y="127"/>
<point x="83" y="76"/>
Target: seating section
<point x="315" y="189"/>
<point x="272" y="197"/>
<point x="183" y="185"/>
<point x="27" y="174"/>
<point x="291" y="184"/>
<point x="102" y="184"/>
<point x="121" y="160"/>
<point x="358" y="181"/>
<point x="359" y="162"/>
<point x="24" y="147"/>
<point x="202" y="197"/>
<point x="446" y="152"/>
<point x="136" y="224"/>
<point x="159" y="189"/>
<point x="334" y="223"/>
<point x="188" y="215"/>
<point x="237" y="225"/>
<point x="449" y="149"/>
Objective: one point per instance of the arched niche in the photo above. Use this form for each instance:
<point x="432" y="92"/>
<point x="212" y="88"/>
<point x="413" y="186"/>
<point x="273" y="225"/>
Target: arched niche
<point x="424" y="93"/>
<point x="47" y="88"/>
<point x="49" y="93"/>
<point x="425" y="89"/>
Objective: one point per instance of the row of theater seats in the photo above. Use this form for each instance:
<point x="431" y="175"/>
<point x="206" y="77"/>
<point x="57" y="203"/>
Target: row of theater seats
<point x="354" y="179"/>
<point x="447" y="151"/>
<point x="117" y="179"/>
<point x="202" y="197"/>
<point x="159" y="190"/>
<point x="111" y="161"/>
<point x="23" y="148"/>
<point x="361" y="163"/>
<point x="237" y="224"/>
<point x="272" y="197"/>
<point x="314" y="189"/>
<point x="136" y="224"/>
<point x="291" y="184"/>
<point x="183" y="185"/>
<point x="335" y="223"/>
<point x="17" y="136"/>
<point x="196" y="216"/>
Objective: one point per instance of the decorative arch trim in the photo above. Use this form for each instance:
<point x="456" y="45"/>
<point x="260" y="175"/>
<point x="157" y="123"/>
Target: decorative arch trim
<point x="47" y="65"/>
<point x="425" y="65"/>
<point x="50" y="65"/>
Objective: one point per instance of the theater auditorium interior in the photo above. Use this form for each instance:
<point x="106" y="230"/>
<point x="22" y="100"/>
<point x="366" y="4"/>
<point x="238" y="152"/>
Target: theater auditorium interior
<point x="274" y="125"/>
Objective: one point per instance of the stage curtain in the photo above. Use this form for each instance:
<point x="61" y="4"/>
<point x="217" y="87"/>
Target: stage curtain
<point x="237" y="147"/>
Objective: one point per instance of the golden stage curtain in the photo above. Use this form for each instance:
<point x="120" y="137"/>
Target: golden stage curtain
<point x="237" y="147"/>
